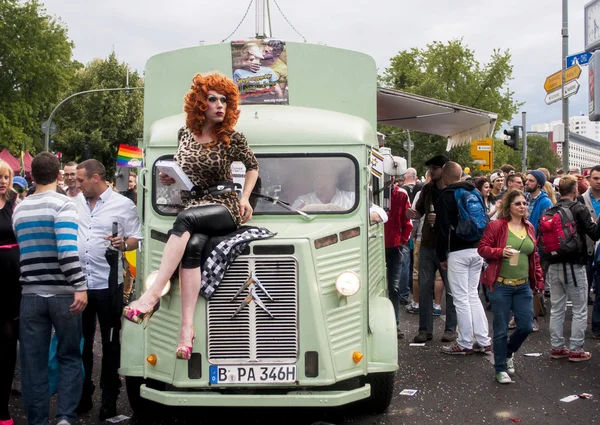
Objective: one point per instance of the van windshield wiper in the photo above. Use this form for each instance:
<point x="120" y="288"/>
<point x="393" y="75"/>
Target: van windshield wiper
<point x="283" y="204"/>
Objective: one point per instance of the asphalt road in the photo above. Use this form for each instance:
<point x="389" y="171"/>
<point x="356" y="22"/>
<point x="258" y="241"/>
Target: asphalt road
<point x="450" y="390"/>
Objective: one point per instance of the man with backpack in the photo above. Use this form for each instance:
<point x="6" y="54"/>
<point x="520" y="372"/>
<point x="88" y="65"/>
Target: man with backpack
<point x="461" y="222"/>
<point x="561" y="239"/>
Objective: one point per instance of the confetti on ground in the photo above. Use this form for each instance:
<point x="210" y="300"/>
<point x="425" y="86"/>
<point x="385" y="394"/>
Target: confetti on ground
<point x="532" y="354"/>
<point x="417" y="344"/>
<point x="585" y="395"/>
<point x="408" y="392"/>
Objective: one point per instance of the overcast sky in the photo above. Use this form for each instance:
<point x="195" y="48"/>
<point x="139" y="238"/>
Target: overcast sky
<point x="530" y="29"/>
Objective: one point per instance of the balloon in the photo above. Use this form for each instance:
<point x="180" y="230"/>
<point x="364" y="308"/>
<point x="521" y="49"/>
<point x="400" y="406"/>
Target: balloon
<point x="467" y="170"/>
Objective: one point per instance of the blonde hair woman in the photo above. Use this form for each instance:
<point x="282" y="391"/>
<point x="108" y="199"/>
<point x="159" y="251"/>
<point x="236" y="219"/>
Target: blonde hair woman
<point x="11" y="290"/>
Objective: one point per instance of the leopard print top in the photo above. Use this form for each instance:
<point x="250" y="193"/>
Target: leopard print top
<point x="207" y="165"/>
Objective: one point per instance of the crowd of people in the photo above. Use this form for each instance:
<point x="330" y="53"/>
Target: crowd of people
<point x="521" y="237"/>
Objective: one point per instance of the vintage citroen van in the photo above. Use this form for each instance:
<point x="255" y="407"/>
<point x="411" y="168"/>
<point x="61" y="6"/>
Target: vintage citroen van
<point x="325" y="332"/>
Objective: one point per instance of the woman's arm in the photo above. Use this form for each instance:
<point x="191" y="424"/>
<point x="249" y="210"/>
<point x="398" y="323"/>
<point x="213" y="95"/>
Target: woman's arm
<point x="249" y="182"/>
<point x="487" y="245"/>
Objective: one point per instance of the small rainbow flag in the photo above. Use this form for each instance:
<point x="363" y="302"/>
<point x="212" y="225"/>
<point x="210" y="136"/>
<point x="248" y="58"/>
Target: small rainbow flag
<point x="130" y="156"/>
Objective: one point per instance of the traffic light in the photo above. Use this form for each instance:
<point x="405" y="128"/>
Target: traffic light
<point x="511" y="138"/>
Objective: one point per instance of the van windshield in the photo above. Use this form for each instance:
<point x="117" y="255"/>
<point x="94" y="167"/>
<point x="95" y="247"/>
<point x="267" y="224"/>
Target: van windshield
<point x="310" y="183"/>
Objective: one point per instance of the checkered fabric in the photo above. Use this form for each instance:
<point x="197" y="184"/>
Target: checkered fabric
<point x="224" y="253"/>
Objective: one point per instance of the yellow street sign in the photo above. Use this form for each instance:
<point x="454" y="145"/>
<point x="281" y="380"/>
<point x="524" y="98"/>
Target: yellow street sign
<point x="555" y="80"/>
<point x="482" y="152"/>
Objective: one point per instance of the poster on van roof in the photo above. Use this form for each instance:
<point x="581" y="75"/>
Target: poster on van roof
<point x="260" y="71"/>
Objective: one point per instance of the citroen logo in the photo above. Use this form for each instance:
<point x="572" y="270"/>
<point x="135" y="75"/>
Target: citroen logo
<point x="251" y="284"/>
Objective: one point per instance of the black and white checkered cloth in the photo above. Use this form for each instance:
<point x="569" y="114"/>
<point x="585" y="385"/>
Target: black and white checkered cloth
<point x="224" y="253"/>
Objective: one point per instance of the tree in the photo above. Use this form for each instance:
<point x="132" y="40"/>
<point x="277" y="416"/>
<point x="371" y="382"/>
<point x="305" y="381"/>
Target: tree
<point x="35" y="69"/>
<point x="450" y="72"/>
<point x="94" y="125"/>
<point x="540" y="154"/>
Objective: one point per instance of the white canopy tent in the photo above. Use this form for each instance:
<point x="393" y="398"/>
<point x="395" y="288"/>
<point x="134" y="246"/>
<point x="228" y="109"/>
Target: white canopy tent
<point x="460" y="124"/>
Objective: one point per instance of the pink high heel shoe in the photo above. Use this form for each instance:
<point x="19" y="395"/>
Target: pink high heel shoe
<point x="184" y="352"/>
<point x="136" y="316"/>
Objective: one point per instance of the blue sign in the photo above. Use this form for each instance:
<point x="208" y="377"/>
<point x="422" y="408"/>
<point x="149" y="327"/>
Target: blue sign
<point x="578" y="58"/>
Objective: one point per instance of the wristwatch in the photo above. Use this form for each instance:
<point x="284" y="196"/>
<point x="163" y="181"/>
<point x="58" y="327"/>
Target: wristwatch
<point x="125" y="244"/>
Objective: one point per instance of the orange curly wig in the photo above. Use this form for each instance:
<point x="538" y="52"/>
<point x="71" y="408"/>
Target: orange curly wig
<point x="195" y="105"/>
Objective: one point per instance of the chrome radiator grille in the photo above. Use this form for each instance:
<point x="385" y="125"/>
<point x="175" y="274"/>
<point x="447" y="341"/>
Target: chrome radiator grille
<point x="251" y="335"/>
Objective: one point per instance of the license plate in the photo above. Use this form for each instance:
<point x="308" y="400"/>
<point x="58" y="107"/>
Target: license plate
<point x="252" y="374"/>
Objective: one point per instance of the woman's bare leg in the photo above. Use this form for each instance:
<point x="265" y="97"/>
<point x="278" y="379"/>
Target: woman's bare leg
<point x="190" y="281"/>
<point x="438" y="290"/>
<point x="172" y="255"/>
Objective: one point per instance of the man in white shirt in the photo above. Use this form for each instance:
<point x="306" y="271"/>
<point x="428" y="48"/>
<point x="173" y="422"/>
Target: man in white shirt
<point x="326" y="193"/>
<point x="98" y="208"/>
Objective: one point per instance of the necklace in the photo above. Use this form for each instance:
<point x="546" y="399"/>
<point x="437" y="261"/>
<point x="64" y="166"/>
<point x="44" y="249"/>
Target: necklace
<point x="520" y="233"/>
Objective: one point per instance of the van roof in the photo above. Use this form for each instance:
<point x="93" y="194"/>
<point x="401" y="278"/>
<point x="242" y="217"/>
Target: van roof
<point x="272" y="125"/>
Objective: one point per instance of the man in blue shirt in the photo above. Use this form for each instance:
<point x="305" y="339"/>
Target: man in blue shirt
<point x="538" y="199"/>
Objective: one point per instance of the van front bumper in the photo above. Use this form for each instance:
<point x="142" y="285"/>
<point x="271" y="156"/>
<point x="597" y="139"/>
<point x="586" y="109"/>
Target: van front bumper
<point x="291" y="399"/>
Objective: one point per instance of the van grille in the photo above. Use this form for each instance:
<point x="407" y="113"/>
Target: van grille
<point x="252" y="336"/>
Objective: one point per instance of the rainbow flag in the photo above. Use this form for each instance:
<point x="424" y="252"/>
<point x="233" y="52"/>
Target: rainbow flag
<point x="130" y="156"/>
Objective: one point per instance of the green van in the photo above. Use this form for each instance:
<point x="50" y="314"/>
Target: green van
<point x="323" y="332"/>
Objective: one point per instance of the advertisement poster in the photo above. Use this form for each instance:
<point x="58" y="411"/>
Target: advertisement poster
<point x="260" y="71"/>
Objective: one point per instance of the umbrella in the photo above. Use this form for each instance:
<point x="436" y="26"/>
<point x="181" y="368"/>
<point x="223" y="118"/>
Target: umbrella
<point x="115" y="290"/>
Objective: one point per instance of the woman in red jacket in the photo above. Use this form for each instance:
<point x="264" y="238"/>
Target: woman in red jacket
<point x="513" y="275"/>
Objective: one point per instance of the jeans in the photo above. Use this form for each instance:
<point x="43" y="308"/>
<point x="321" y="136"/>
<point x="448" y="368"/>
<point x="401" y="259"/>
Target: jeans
<point x="99" y="306"/>
<point x="560" y="288"/>
<point x="38" y="316"/>
<point x="392" y="265"/>
<point x="464" y="269"/>
<point x="428" y="265"/>
<point x="596" y="308"/>
<point x="405" y="274"/>
<point x="505" y="298"/>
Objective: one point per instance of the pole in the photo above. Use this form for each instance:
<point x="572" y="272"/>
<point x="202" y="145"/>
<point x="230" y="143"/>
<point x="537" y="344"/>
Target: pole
<point x="409" y="150"/>
<point x="47" y="135"/>
<point x="524" y="153"/>
<point x="565" y="101"/>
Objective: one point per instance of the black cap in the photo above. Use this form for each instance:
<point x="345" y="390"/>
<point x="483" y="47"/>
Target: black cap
<point x="438" y="161"/>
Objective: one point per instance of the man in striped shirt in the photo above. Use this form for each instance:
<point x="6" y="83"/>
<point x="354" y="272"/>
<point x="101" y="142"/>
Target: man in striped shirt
<point x="54" y="294"/>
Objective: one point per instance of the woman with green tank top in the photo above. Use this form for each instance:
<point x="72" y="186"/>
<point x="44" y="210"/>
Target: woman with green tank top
<point x="513" y="276"/>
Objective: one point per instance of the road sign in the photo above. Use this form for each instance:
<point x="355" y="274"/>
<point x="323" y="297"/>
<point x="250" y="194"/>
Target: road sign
<point x="555" y="80"/>
<point x="571" y="88"/>
<point x="581" y="58"/>
<point x="405" y="145"/>
<point x="45" y="128"/>
<point x="482" y="152"/>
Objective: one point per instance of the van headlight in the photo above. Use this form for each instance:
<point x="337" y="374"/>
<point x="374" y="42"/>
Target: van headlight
<point x="347" y="283"/>
<point x="150" y="281"/>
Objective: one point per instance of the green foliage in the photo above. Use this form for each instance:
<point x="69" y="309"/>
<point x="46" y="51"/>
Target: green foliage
<point x="449" y="72"/>
<point x="540" y="154"/>
<point x="94" y="125"/>
<point x="35" y="69"/>
<point x="505" y="155"/>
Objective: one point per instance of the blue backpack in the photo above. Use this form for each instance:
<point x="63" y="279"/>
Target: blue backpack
<point x="472" y="215"/>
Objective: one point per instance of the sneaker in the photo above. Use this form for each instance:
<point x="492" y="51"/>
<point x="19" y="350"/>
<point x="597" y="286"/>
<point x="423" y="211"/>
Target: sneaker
<point x="437" y="311"/>
<point x="456" y="350"/>
<point x="559" y="353"/>
<point x="510" y="366"/>
<point x="423" y="337"/>
<point x="448" y="336"/>
<point x="503" y="378"/>
<point x="512" y="324"/>
<point x="487" y="349"/>
<point x="536" y="325"/>
<point x="579" y="356"/>
<point x="412" y="309"/>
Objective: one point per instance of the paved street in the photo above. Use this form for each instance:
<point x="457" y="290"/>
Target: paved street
<point x="451" y="390"/>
